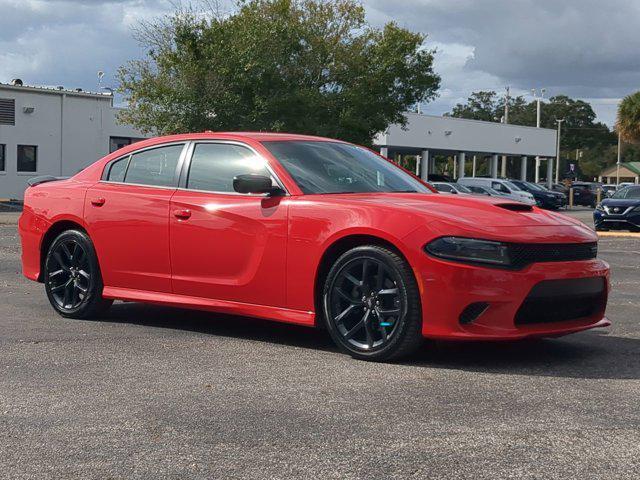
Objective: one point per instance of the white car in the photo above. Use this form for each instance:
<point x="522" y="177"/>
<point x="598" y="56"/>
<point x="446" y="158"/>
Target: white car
<point x="505" y="187"/>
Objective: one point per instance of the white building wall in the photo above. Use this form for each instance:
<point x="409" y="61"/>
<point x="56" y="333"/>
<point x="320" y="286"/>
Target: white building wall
<point x="70" y="129"/>
<point x="461" y="135"/>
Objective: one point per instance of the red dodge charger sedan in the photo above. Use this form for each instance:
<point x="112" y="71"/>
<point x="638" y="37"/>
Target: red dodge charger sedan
<point x="310" y="231"/>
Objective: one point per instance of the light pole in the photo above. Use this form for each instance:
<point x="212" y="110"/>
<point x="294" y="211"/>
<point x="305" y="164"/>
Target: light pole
<point x="559" y="121"/>
<point x="618" y="161"/>
<point x="538" y="99"/>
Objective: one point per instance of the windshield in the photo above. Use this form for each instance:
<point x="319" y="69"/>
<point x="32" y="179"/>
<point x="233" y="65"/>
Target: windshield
<point x="535" y="187"/>
<point x="332" y="167"/>
<point x="628" y="192"/>
<point x="462" y="188"/>
<point x="513" y="186"/>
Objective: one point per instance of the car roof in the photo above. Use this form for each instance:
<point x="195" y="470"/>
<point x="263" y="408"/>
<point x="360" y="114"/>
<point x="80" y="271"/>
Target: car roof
<point x="256" y="136"/>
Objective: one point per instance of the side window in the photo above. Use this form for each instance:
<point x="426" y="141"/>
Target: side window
<point x="500" y="187"/>
<point x="214" y="165"/>
<point x="155" y="167"/>
<point x="117" y="170"/>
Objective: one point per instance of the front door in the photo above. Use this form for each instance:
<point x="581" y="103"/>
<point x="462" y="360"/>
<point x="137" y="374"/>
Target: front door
<point x="226" y="245"/>
<point x="127" y="216"/>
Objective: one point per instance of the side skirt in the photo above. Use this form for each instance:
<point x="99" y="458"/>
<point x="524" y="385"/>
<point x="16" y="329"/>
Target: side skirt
<point x="220" y="306"/>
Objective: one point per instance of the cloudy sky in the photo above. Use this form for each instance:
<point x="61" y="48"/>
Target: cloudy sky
<point x="583" y="48"/>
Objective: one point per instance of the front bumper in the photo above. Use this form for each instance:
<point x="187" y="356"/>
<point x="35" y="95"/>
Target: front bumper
<point x="625" y="221"/>
<point x="448" y="288"/>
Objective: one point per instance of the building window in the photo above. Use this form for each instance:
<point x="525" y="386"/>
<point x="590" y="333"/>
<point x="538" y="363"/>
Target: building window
<point x="27" y="158"/>
<point x="3" y="157"/>
<point x="7" y="111"/>
<point x="116" y="143"/>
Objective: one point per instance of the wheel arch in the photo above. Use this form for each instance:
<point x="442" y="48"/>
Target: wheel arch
<point x="51" y="234"/>
<point x="333" y="251"/>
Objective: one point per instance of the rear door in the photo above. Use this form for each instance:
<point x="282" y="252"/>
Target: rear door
<point x="127" y="215"/>
<point x="226" y="245"/>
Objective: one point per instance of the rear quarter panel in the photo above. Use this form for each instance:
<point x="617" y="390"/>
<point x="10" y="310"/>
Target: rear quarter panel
<point x="44" y="206"/>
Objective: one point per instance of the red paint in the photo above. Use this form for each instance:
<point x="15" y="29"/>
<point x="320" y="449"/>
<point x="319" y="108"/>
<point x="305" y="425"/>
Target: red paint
<point x="258" y="256"/>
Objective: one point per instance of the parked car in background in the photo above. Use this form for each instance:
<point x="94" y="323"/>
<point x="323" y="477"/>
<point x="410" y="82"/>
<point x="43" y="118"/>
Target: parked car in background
<point x="609" y="190"/>
<point x="626" y="184"/>
<point x="488" y="191"/>
<point x="556" y="187"/>
<point x="454" y="188"/>
<point x="544" y="198"/>
<point x="436" y="177"/>
<point x="620" y="212"/>
<point x="585" y="193"/>
<point x="504" y="187"/>
<point x="310" y="231"/>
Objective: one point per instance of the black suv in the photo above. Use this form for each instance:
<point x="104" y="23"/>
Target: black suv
<point x="585" y="193"/>
<point x="543" y="197"/>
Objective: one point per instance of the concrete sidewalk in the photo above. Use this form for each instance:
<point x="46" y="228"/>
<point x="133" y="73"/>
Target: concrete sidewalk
<point x="9" y="218"/>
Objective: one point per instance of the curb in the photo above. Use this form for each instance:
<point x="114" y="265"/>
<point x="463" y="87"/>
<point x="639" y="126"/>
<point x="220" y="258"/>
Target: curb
<point x="619" y="234"/>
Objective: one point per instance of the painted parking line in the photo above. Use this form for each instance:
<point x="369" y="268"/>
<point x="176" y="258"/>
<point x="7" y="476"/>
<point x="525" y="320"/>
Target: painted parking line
<point x="619" y="234"/>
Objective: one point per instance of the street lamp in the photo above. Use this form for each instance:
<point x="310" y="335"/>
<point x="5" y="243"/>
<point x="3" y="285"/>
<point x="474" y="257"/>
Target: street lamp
<point x="538" y="99"/>
<point x="559" y="121"/>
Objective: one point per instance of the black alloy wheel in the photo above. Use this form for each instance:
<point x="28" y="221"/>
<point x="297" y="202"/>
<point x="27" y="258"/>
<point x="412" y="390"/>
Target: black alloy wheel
<point x="72" y="278"/>
<point x="371" y="304"/>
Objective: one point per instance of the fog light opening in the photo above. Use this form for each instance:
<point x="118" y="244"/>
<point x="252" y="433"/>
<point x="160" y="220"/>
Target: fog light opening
<point x="472" y="312"/>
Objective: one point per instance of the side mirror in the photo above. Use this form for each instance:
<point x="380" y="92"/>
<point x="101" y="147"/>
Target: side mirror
<point x="255" y="184"/>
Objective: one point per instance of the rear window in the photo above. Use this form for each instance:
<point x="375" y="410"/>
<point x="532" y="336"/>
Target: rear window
<point x="155" y="167"/>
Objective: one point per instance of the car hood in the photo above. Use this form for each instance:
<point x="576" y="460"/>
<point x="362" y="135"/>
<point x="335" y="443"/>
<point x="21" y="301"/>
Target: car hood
<point x="621" y="202"/>
<point x="464" y="210"/>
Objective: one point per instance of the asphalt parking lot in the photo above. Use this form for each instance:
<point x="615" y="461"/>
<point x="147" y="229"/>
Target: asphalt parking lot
<point x="152" y="392"/>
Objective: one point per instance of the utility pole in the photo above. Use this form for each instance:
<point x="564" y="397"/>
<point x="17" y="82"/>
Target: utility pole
<point x="618" y="162"/>
<point x="557" y="154"/>
<point x="538" y="99"/>
<point x="506" y="104"/>
<point x="503" y="169"/>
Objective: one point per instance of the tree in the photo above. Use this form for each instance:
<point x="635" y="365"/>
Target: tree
<point x="308" y="66"/>
<point x="580" y="130"/>
<point x="628" y="122"/>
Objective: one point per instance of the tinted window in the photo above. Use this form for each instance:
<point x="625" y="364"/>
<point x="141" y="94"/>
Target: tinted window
<point x="3" y="150"/>
<point x="628" y="192"/>
<point x="443" y="188"/>
<point x="27" y="158"/>
<point x="500" y="187"/>
<point x="332" y="167"/>
<point x="117" y="170"/>
<point x="214" y="165"/>
<point x="154" y="167"/>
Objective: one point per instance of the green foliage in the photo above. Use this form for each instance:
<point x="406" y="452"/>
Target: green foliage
<point x="308" y="66"/>
<point x="628" y="122"/>
<point x="579" y="130"/>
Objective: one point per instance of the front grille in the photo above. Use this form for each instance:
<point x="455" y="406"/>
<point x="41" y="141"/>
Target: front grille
<point x="523" y="254"/>
<point x="563" y="300"/>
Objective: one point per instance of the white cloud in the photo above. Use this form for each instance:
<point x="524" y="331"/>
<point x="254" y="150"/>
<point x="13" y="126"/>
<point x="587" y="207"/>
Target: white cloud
<point x="582" y="48"/>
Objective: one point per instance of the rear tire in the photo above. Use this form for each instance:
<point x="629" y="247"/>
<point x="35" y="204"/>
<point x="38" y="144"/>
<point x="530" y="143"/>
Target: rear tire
<point x="372" y="306"/>
<point x="72" y="277"/>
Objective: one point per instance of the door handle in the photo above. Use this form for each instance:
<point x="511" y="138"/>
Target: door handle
<point x="182" y="214"/>
<point x="98" y="202"/>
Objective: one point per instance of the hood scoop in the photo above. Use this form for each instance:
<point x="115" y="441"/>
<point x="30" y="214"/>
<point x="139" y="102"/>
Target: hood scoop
<point x="515" y="207"/>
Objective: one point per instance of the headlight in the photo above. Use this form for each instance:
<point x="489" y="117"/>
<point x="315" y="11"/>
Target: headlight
<point x="470" y="250"/>
<point x="600" y="207"/>
<point x="637" y="209"/>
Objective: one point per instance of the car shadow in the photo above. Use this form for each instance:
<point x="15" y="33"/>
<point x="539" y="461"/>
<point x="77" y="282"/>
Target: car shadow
<point x="592" y="354"/>
<point x="208" y="323"/>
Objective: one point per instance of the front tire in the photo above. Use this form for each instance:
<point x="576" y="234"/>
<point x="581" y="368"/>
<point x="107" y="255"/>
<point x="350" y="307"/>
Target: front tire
<point x="372" y="306"/>
<point x="72" y="276"/>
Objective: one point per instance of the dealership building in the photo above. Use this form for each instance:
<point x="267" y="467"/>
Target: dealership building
<point x="56" y="131"/>
<point x="476" y="147"/>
